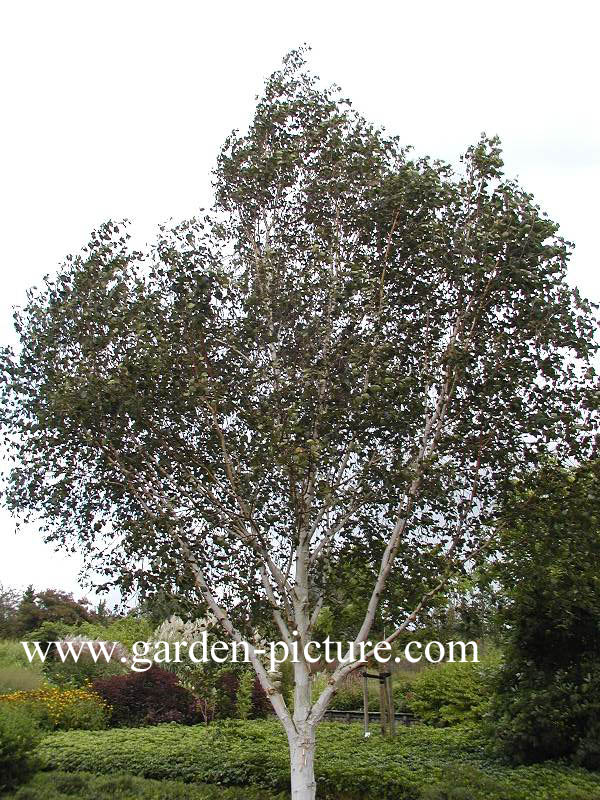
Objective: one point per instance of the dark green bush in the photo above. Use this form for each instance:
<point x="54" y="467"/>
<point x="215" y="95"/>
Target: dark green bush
<point x="19" y="735"/>
<point x="462" y="782"/>
<point x="539" y="716"/>
<point x="547" y="699"/>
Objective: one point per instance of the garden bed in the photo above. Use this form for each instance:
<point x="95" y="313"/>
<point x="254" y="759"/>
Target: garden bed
<point x="348" y="766"/>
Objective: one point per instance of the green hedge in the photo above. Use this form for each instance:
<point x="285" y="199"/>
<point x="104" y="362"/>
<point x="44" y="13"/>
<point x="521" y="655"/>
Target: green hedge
<point x="348" y="766"/>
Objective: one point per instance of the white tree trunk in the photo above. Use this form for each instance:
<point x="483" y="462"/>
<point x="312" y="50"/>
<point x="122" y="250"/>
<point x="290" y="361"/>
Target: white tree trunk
<point x="301" y="737"/>
<point x="302" y="763"/>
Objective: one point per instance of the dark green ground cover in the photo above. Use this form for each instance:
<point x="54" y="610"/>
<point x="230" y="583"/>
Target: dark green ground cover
<point x="444" y="764"/>
<point x="87" y="786"/>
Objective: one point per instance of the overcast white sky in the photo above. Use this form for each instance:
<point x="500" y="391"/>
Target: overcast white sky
<point x="118" y="109"/>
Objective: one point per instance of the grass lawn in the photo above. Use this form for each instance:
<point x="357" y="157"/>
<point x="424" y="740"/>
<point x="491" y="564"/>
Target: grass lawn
<point x="254" y="753"/>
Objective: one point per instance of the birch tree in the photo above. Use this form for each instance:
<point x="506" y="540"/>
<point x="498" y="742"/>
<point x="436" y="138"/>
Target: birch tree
<point x="355" y="348"/>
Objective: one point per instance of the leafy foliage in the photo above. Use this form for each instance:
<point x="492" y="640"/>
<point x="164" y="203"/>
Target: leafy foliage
<point x="244" y="695"/>
<point x="9" y="602"/>
<point x="350" y="353"/>
<point x="125" y="630"/>
<point x="342" y="304"/>
<point x="469" y="783"/>
<point x="548" y="695"/>
<point x="57" y="708"/>
<point x="19" y="734"/>
<point x="254" y="753"/>
<point x="147" y="697"/>
<point x="50" y="606"/>
<point x="453" y="693"/>
<point x="86" y="786"/>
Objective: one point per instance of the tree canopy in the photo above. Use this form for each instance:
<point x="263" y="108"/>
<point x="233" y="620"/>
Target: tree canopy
<point x="355" y="348"/>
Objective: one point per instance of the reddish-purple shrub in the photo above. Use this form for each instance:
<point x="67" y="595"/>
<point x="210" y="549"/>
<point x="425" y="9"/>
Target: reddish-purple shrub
<point x="261" y="705"/>
<point x="147" y="698"/>
<point x="227" y="684"/>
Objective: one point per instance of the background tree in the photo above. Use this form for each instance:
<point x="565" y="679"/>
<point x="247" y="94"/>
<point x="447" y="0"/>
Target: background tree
<point x="352" y="349"/>
<point x="9" y="602"/>
<point x="50" y="606"/>
<point x="28" y="614"/>
<point x="547" y="701"/>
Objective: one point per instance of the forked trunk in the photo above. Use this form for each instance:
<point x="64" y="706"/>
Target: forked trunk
<point x="302" y="762"/>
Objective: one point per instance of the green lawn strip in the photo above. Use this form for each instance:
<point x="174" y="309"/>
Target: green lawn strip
<point x="87" y="786"/>
<point x="347" y="766"/>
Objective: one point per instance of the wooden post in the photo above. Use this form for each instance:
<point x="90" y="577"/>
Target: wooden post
<point x="392" y="710"/>
<point x="382" y="701"/>
<point x="366" y="702"/>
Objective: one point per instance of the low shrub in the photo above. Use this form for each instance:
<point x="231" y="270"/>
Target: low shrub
<point x="56" y="708"/>
<point x="126" y="630"/>
<point x="86" y="667"/>
<point x="19" y="735"/>
<point x="462" y="782"/>
<point x="469" y="783"/>
<point x="86" y="786"/>
<point x="348" y="766"/>
<point x="147" y="698"/>
<point x="452" y="693"/>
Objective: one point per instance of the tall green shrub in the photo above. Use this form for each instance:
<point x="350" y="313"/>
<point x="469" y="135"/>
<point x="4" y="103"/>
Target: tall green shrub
<point x="19" y="734"/>
<point x="452" y="693"/>
<point x="244" y="695"/>
<point x="547" y="702"/>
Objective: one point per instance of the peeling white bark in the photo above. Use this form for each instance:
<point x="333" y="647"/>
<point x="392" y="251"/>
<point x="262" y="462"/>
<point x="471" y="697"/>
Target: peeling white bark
<point x="301" y="738"/>
<point x="302" y="763"/>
